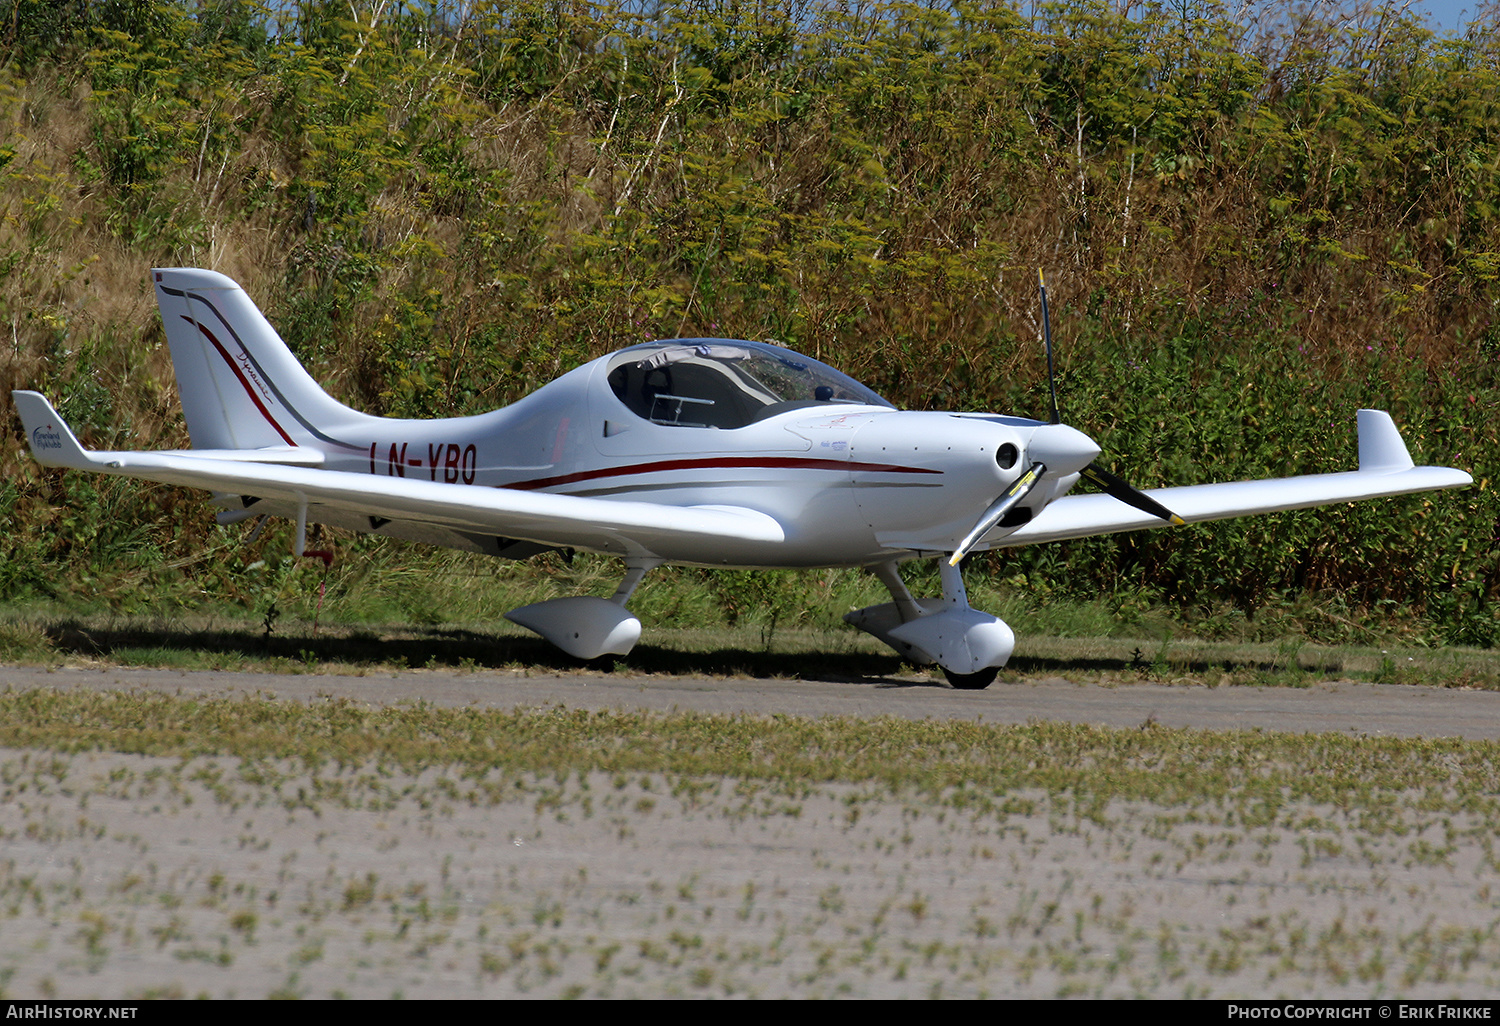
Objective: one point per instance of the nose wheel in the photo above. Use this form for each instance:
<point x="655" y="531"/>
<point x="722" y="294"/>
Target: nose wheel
<point x="969" y="646"/>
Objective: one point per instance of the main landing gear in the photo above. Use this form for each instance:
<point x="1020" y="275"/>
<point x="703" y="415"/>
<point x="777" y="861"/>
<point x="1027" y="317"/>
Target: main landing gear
<point x="969" y="646"/>
<point x="585" y="626"/>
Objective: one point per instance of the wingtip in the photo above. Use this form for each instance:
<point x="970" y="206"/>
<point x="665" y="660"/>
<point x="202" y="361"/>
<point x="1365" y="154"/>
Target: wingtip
<point x="52" y="442"/>
<point x="1381" y="448"/>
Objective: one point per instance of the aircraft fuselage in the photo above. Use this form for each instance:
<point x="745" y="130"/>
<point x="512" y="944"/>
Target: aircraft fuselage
<point x="854" y="482"/>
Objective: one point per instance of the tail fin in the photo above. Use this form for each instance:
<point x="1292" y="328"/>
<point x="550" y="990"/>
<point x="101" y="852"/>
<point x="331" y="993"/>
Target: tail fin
<point x="241" y="386"/>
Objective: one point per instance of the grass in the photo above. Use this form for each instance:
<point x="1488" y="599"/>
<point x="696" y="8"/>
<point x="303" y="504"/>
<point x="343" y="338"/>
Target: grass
<point x="966" y="765"/>
<point x="816" y="652"/>
<point x="429" y="251"/>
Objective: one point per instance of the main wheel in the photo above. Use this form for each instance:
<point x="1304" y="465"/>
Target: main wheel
<point x="972" y="681"/>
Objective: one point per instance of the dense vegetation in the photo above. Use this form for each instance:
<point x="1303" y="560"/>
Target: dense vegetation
<point x="1251" y="228"/>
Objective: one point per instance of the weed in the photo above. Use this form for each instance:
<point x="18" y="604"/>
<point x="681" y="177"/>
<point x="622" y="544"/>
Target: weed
<point x="431" y="258"/>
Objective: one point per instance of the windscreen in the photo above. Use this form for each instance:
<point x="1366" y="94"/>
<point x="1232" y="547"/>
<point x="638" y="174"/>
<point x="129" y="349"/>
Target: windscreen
<point x="726" y="383"/>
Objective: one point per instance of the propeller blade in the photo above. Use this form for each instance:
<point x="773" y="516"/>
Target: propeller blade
<point x="1112" y="485"/>
<point x="1018" y="490"/>
<point x="1129" y="494"/>
<point x="1047" y="341"/>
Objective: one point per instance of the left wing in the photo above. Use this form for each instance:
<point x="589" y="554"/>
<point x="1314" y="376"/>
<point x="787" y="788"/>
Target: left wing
<point x="563" y="521"/>
<point x="1385" y="468"/>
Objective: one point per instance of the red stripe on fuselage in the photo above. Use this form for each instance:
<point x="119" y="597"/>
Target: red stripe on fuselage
<point x="249" y="390"/>
<point x="753" y="462"/>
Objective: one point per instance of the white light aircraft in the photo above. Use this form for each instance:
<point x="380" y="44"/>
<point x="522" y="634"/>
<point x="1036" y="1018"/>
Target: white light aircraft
<point x="701" y="451"/>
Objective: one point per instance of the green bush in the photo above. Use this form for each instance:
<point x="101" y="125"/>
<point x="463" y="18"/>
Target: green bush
<point x="1250" y="231"/>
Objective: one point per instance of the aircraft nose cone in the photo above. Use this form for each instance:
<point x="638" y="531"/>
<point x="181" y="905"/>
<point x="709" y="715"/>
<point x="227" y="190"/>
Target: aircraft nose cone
<point x="1063" y="449"/>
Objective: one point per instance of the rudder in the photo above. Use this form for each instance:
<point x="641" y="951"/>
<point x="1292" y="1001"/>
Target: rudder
<point x="241" y="387"/>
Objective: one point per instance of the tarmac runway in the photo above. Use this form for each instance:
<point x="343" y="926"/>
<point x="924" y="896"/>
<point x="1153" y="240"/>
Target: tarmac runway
<point x="1374" y="710"/>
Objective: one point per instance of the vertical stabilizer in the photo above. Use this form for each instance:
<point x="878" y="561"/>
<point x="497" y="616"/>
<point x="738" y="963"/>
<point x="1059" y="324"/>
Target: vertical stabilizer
<point x="241" y="386"/>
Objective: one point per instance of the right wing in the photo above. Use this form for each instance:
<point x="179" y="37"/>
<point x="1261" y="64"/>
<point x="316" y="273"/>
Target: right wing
<point x="561" y="521"/>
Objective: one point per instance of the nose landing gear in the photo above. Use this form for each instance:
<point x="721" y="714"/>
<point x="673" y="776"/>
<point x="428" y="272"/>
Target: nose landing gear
<point x="969" y="646"/>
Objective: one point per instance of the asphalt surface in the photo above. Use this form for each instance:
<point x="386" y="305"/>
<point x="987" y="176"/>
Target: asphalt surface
<point x="1374" y="710"/>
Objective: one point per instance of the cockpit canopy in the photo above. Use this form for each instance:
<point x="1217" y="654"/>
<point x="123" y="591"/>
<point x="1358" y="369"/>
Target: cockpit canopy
<point x="725" y="383"/>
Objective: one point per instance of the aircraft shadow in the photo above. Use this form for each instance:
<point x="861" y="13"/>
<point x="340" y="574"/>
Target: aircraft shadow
<point x="1044" y="666"/>
<point x="458" y="649"/>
